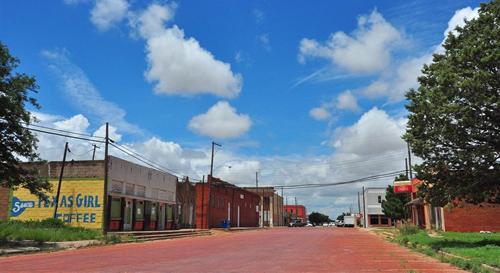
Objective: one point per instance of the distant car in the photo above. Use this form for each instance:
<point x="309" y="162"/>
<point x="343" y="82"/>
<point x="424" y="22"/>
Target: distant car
<point x="339" y="223"/>
<point x="309" y="225"/>
<point x="325" y="224"/>
<point x="295" y="223"/>
<point x="331" y="224"/>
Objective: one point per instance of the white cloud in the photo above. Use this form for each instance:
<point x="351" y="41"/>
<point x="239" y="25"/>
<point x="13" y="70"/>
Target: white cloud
<point x="77" y="124"/>
<point x="264" y="41"/>
<point x="83" y="94"/>
<point x="179" y="65"/>
<point x="395" y="82"/>
<point x="347" y="101"/>
<point x="344" y="101"/>
<point x="458" y="19"/>
<point x="112" y="133"/>
<point x="320" y="113"/>
<point x="367" y="50"/>
<point x="106" y="13"/>
<point x="374" y="133"/>
<point x="151" y="22"/>
<point x="51" y="147"/>
<point x="259" y="16"/>
<point x="221" y="121"/>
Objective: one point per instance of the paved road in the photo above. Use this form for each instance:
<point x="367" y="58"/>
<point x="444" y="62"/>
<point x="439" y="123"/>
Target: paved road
<point x="275" y="250"/>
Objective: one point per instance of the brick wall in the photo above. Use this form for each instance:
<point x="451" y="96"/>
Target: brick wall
<point x="80" y="169"/>
<point x="221" y="197"/>
<point x="201" y="207"/>
<point x="472" y="218"/>
<point x="4" y="203"/>
<point x="298" y="210"/>
<point x="186" y="197"/>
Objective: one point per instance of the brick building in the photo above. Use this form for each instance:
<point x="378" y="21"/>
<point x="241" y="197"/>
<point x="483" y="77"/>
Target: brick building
<point x="223" y="201"/>
<point x="4" y="203"/>
<point x="456" y="216"/>
<point x="295" y="212"/>
<point x="137" y="197"/>
<point x="186" y="204"/>
<point x="272" y="213"/>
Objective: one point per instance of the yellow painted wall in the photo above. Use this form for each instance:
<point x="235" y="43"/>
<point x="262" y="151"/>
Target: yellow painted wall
<point x="81" y="203"/>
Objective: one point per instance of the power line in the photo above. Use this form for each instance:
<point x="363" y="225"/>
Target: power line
<point x="314" y="185"/>
<point x="149" y="162"/>
<point x="78" y="155"/>
<point x="63" y="135"/>
<point x="145" y="161"/>
<point x="63" y="131"/>
<point x="135" y="155"/>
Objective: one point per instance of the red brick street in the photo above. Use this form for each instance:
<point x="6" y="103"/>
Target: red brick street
<point x="274" y="250"/>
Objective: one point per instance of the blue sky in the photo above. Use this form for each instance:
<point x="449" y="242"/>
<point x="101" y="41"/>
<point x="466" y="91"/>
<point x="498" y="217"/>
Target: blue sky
<point x="295" y="90"/>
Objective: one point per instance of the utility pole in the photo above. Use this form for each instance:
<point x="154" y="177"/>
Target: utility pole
<point x="106" y="167"/>
<point x="296" y="209"/>
<point x="287" y="214"/>
<point x="93" y="154"/>
<point x="210" y="183"/>
<point x="282" y="209"/>
<point x="261" y="203"/>
<point x="406" y="167"/>
<point x="60" y="180"/>
<point x="364" y="208"/>
<point x="202" y="201"/>
<point x="409" y="158"/>
<point x="359" y="205"/>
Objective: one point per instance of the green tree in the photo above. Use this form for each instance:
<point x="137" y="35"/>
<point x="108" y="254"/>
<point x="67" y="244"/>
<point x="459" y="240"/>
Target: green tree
<point x="318" y="218"/>
<point x="16" y="141"/>
<point x="454" y="120"/>
<point x="394" y="204"/>
<point x="341" y="216"/>
<point x="401" y="177"/>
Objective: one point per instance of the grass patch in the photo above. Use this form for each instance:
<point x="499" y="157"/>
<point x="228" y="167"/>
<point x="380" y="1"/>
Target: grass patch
<point x="479" y="248"/>
<point x="48" y="230"/>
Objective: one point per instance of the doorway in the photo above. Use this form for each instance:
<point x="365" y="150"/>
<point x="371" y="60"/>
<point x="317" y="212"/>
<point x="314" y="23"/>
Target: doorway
<point x="161" y="217"/>
<point x="127" y="215"/>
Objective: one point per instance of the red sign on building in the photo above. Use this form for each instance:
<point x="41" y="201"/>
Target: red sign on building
<point x="402" y="186"/>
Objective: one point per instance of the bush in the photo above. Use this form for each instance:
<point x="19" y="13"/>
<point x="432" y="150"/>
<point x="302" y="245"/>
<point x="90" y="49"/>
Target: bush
<point x="46" y="230"/>
<point x="408" y="229"/>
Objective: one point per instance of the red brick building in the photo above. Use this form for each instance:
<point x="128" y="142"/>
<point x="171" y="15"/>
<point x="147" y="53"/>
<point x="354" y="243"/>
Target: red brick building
<point x="186" y="203"/>
<point x="456" y="216"/>
<point x="4" y="203"/>
<point x="295" y="212"/>
<point x="223" y="201"/>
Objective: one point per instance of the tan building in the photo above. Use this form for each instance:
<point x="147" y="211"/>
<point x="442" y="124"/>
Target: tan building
<point x="271" y="206"/>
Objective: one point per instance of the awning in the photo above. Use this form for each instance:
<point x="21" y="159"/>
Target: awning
<point x="415" y="202"/>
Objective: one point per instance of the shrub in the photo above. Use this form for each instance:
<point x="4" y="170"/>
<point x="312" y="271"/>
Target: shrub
<point x="45" y="230"/>
<point x="408" y="229"/>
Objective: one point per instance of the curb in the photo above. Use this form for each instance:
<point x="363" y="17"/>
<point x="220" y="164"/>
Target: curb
<point x="29" y="246"/>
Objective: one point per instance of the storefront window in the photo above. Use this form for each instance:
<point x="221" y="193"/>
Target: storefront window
<point x="170" y="213"/>
<point x="116" y="208"/>
<point x="374" y="220"/>
<point x="139" y="210"/>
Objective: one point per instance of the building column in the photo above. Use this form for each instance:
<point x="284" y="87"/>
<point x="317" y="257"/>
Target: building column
<point x="428" y="224"/>
<point x="261" y="214"/>
<point x="271" y="211"/>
